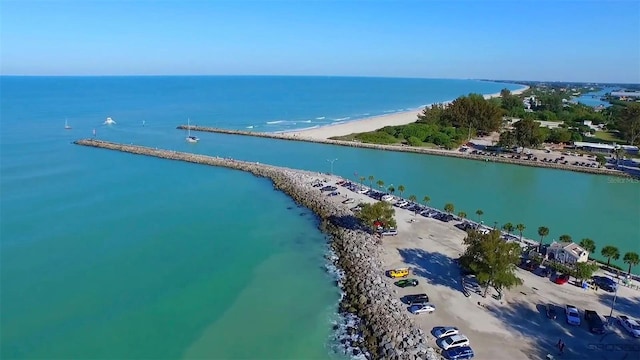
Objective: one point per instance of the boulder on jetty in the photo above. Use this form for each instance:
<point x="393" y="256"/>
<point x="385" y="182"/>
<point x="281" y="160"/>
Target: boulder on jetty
<point x="387" y="330"/>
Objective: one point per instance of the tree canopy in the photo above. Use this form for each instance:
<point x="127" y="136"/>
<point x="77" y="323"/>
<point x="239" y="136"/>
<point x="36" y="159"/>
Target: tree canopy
<point x="472" y="112"/>
<point x="632" y="259"/>
<point x="584" y="270"/>
<point x="381" y="211"/>
<point x="610" y="252"/>
<point x="511" y="104"/>
<point x="628" y="123"/>
<point x="588" y="245"/>
<point x="492" y="259"/>
<point x="527" y="133"/>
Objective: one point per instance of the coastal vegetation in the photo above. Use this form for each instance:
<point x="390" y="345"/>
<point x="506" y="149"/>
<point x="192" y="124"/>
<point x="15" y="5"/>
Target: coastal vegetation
<point x="439" y="125"/>
<point x="451" y="125"/>
<point x="632" y="259"/>
<point x="492" y="260"/>
<point x="380" y="213"/>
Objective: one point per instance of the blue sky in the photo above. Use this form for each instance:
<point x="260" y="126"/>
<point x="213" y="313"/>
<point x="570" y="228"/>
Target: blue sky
<point x="511" y="39"/>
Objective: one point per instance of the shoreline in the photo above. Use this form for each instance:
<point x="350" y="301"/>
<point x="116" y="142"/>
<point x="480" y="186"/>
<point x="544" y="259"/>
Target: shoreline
<point x="373" y="322"/>
<point x="373" y="123"/>
<point x="384" y="330"/>
<point x="415" y="150"/>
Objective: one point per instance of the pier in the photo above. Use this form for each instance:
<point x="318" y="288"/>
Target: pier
<point x="409" y="149"/>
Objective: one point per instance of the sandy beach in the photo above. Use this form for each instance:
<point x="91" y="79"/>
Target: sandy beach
<point x="372" y="123"/>
<point x="515" y="327"/>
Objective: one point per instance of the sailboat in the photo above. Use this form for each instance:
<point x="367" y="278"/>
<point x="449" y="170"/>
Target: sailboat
<point x="66" y="125"/>
<point x="190" y="138"/>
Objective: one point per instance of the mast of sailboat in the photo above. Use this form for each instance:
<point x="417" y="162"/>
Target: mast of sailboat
<point x="188" y="127"/>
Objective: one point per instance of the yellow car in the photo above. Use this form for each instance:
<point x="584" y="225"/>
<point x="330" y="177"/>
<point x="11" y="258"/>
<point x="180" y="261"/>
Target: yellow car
<point x="399" y="273"/>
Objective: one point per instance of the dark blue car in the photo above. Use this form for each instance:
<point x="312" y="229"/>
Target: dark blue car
<point x="459" y="353"/>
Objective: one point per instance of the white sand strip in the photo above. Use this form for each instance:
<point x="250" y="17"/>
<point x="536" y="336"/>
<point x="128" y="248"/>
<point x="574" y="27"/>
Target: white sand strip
<point x="372" y="123"/>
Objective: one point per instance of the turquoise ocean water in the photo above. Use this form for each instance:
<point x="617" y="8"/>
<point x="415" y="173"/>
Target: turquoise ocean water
<point x="107" y="255"/>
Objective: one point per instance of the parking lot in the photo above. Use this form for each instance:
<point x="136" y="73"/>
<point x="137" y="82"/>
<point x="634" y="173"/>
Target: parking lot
<point x="515" y="326"/>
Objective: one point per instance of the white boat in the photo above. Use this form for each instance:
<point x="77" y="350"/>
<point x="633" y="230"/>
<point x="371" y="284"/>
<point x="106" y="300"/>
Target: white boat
<point x="190" y="138"/>
<point x="109" y="121"/>
<point x="66" y="125"/>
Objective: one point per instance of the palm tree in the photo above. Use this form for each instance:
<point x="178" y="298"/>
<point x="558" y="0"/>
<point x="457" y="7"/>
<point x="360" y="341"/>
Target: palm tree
<point x="520" y="228"/>
<point x="391" y="189"/>
<point x="508" y="227"/>
<point x="362" y="179"/>
<point x="413" y="199"/>
<point x="632" y="259"/>
<point x="449" y="208"/>
<point x="426" y="200"/>
<point x="610" y="252"/>
<point x="371" y="181"/>
<point x="588" y="245"/>
<point x="401" y="188"/>
<point x="542" y="231"/>
<point x="565" y="238"/>
<point x="462" y="215"/>
<point x="380" y="183"/>
<point x="479" y="213"/>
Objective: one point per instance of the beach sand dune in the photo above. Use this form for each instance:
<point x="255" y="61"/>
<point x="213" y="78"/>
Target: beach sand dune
<point x="371" y="123"/>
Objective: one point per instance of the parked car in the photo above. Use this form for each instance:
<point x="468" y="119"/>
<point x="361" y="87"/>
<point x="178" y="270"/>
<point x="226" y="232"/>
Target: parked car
<point x="445" y="331"/>
<point x="551" y="311"/>
<point x="594" y="321"/>
<point x="416" y="299"/>
<point x="399" y="273"/>
<point x="630" y="325"/>
<point x="422" y="308"/>
<point x="454" y="341"/>
<point x="605" y="283"/>
<point x="388" y="232"/>
<point x="573" y="315"/>
<point x="459" y="353"/>
<point x="406" y="282"/>
<point x="561" y="279"/>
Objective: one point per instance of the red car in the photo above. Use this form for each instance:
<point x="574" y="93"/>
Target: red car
<point x="561" y="279"/>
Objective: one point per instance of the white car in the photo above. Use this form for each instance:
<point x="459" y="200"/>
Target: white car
<point x="573" y="315"/>
<point x="630" y="325"/>
<point x="387" y="198"/>
<point x="422" y="308"/>
<point x="454" y="341"/>
<point x="446" y="331"/>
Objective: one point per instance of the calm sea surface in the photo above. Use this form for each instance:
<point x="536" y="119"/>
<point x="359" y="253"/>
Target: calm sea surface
<point x="108" y="255"/>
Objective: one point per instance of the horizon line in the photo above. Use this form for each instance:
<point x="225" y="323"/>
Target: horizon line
<point x="512" y="81"/>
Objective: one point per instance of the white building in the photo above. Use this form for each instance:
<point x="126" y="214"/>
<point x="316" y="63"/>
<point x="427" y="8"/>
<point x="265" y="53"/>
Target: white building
<point x="569" y="253"/>
<point x="604" y="148"/>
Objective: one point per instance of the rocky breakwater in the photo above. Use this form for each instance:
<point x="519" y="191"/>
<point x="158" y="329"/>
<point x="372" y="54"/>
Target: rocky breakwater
<point x="386" y="329"/>
<point x="411" y="149"/>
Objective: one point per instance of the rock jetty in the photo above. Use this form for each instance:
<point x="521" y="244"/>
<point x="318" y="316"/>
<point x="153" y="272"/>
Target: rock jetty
<point x="417" y="150"/>
<point x="386" y="329"/>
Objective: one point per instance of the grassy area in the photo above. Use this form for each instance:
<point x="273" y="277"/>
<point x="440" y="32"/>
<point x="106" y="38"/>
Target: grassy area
<point x="609" y="136"/>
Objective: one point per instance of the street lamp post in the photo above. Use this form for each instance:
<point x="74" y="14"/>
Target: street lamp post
<point x="613" y="303"/>
<point x="331" y="161"/>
